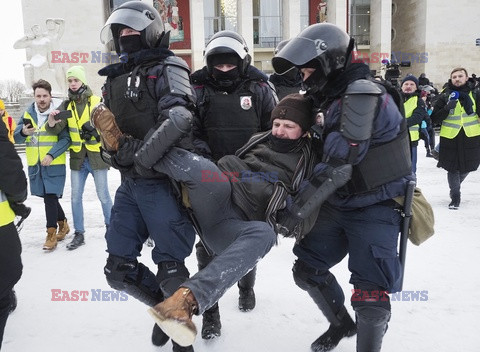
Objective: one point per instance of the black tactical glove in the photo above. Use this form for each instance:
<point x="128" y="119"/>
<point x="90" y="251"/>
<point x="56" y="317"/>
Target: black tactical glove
<point x="88" y="132"/>
<point x="451" y="104"/>
<point x="288" y="223"/>
<point x="20" y="209"/>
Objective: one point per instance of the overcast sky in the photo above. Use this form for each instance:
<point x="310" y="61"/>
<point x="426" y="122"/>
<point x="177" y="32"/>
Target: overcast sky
<point x="11" y="60"/>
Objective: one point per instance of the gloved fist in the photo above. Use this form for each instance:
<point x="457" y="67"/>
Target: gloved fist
<point x="451" y="104"/>
<point x="288" y="223"/>
<point x="20" y="209"/>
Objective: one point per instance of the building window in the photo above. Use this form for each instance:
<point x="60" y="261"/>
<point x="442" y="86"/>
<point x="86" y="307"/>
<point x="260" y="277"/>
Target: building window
<point x="220" y="15"/>
<point x="267" y="23"/>
<point x="360" y="21"/>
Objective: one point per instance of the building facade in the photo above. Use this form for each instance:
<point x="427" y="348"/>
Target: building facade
<point x="433" y="35"/>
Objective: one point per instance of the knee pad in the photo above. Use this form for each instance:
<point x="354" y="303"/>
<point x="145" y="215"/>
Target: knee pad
<point x="134" y="278"/>
<point x="368" y="295"/>
<point x="324" y="289"/>
<point x="170" y="276"/>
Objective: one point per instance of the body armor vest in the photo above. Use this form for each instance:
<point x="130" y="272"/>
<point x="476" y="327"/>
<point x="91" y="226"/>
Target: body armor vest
<point x="132" y="103"/>
<point x="229" y="119"/>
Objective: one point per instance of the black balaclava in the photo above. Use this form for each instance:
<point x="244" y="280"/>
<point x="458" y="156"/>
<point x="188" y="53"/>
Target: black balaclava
<point x="130" y="43"/>
<point x="229" y="78"/>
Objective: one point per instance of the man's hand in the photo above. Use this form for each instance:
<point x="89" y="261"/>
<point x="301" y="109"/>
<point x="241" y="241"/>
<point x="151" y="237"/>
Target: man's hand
<point x="47" y="160"/>
<point x="28" y="131"/>
<point x="51" y="118"/>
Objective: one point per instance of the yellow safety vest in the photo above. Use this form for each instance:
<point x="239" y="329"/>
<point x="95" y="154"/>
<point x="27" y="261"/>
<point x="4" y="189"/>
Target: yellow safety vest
<point x="39" y="144"/>
<point x="410" y="105"/>
<point x="458" y="118"/>
<point x="6" y="213"/>
<point x="75" y="126"/>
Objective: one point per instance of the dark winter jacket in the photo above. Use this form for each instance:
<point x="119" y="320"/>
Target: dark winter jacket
<point x="260" y="168"/>
<point x="12" y="178"/>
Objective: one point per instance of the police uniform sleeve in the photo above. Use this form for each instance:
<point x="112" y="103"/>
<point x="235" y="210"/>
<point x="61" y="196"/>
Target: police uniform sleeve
<point x="12" y="178"/>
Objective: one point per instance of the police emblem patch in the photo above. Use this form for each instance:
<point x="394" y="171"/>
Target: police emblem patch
<point x="246" y="102"/>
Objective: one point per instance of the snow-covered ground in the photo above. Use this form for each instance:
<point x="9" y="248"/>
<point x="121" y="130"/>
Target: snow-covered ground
<point x="285" y="318"/>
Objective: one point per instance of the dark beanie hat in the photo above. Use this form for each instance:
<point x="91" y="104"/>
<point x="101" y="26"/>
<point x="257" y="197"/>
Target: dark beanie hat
<point x="297" y="108"/>
<point x="225" y="58"/>
<point x="410" y="78"/>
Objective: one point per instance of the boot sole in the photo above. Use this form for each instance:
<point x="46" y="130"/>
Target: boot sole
<point x="49" y="248"/>
<point x="178" y="331"/>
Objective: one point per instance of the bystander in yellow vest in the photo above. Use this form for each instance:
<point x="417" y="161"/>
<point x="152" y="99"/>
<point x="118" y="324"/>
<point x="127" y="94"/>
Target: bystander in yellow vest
<point x="39" y="144"/>
<point x="75" y="124"/>
<point x="458" y="119"/>
<point x="410" y="105"/>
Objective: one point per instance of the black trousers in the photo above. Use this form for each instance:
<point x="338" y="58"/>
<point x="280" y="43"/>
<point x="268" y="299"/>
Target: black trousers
<point x="10" y="269"/>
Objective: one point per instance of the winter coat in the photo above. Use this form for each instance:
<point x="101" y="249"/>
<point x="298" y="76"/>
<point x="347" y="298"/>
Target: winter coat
<point x="46" y="179"/>
<point x="255" y="174"/>
<point x="13" y="182"/>
<point x="462" y="153"/>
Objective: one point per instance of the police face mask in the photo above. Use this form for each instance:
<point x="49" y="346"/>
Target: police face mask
<point x="226" y="79"/>
<point x="130" y="43"/>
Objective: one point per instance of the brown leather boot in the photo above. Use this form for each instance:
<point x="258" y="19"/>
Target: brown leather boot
<point x="63" y="229"/>
<point x="104" y="121"/>
<point x="174" y="316"/>
<point x="51" y="241"/>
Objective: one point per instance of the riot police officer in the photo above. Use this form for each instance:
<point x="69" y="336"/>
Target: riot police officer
<point x="144" y="90"/>
<point x="234" y="101"/>
<point x="365" y="162"/>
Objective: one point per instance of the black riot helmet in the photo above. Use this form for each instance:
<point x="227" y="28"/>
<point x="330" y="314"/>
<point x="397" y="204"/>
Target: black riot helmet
<point x="139" y="16"/>
<point x="322" y="46"/>
<point x="224" y="43"/>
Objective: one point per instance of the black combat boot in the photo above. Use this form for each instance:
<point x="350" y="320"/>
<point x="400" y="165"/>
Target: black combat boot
<point x="159" y="338"/>
<point x="178" y="348"/>
<point x="246" y="298"/>
<point x="211" y="325"/>
<point x="330" y="339"/>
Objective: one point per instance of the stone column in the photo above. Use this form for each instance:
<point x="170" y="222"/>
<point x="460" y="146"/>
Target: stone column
<point x="197" y="33"/>
<point x="245" y="23"/>
<point x="380" y="31"/>
<point x="337" y="13"/>
<point x="290" y="16"/>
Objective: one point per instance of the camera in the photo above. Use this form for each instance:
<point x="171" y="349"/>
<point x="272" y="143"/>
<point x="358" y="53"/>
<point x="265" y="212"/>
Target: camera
<point x="88" y="132"/>
<point x="393" y="72"/>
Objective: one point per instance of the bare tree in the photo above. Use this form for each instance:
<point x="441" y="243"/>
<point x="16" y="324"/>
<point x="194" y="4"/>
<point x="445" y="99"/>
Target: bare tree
<point x="11" y="90"/>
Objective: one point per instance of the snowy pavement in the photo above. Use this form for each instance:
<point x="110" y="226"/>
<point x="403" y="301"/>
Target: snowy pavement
<point x="442" y="318"/>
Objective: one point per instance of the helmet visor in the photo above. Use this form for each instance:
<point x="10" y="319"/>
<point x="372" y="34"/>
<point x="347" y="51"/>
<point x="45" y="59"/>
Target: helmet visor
<point x="297" y="52"/>
<point x="228" y="43"/>
<point x="128" y="17"/>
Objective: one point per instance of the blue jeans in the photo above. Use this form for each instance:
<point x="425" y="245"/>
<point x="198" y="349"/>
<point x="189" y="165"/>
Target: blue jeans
<point x="238" y="244"/>
<point x="78" y="179"/>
